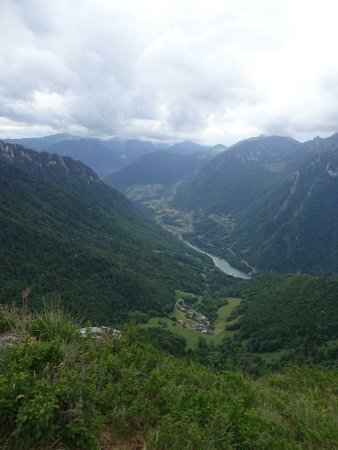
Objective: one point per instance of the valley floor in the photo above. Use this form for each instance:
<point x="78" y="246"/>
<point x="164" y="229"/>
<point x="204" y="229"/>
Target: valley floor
<point x="192" y="337"/>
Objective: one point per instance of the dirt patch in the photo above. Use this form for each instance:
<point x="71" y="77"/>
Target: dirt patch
<point x="8" y="338"/>
<point x="111" y="441"/>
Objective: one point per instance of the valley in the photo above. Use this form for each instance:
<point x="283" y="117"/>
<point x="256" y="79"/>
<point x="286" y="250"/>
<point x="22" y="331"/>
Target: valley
<point x="159" y="206"/>
<point x="173" y="272"/>
<point x="261" y="204"/>
<point x="185" y="325"/>
<point x="168" y="225"/>
<point x="239" y="196"/>
<point x="92" y="248"/>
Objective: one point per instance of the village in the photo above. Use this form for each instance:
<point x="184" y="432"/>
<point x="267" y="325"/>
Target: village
<point x="194" y="320"/>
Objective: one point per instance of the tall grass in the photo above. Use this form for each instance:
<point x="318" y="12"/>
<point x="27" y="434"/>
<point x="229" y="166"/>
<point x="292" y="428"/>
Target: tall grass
<point x="48" y="324"/>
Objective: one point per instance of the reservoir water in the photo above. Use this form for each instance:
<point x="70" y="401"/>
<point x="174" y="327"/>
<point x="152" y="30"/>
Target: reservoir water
<point x="221" y="263"/>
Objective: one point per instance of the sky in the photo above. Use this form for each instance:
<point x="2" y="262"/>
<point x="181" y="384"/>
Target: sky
<point x="213" y="71"/>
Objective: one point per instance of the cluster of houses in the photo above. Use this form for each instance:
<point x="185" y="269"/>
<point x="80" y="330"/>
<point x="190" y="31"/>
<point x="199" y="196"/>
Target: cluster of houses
<point x="194" y="319"/>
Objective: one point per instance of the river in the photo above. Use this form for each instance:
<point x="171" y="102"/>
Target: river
<point x="221" y="263"/>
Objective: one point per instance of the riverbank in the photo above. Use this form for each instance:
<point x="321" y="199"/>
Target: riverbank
<point x="219" y="262"/>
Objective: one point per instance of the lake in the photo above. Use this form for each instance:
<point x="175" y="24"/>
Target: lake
<point x="221" y="263"/>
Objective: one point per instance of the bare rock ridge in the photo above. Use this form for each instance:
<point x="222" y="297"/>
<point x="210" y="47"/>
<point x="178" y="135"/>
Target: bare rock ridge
<point x="46" y="166"/>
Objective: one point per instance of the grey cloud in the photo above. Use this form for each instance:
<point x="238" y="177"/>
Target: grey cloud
<point x="194" y="70"/>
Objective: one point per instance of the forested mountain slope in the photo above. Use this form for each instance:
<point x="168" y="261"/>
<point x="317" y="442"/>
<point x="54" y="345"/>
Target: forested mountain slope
<point x="272" y="201"/>
<point x="161" y="170"/>
<point x="292" y="317"/>
<point x="231" y="180"/>
<point x="65" y="233"/>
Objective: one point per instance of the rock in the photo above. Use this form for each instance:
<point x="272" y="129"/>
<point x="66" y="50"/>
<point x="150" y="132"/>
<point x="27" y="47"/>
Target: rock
<point x="8" y="338"/>
<point x="100" y="332"/>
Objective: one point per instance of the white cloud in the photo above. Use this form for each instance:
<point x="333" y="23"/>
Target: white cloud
<point x="213" y="71"/>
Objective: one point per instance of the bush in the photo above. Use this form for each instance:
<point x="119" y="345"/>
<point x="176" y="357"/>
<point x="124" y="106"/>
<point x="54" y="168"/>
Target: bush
<point x="59" y="389"/>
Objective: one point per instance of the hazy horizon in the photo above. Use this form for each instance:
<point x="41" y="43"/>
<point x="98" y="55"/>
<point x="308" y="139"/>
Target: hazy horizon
<point x="164" y="142"/>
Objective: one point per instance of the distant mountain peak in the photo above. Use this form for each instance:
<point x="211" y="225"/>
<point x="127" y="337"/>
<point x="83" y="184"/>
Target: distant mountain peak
<point x="51" y="167"/>
<point x="63" y="135"/>
<point x="322" y="144"/>
<point x="187" y="147"/>
<point x="218" y="148"/>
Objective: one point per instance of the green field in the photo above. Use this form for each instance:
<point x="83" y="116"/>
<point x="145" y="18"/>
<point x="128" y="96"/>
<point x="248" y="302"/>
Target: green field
<point x="192" y="336"/>
<point x="185" y="295"/>
<point x="223" y="316"/>
<point x="140" y="192"/>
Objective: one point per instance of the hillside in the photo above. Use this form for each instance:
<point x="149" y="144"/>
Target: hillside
<point x="271" y="201"/>
<point x="65" y="233"/>
<point x="155" y="177"/>
<point x="63" y="389"/>
<point x="161" y="168"/>
<point x="261" y="325"/>
<point x="299" y="233"/>
<point x="234" y="178"/>
<point x="291" y="317"/>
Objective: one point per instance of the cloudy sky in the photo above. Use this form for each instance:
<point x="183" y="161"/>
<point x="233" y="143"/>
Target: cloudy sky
<point x="208" y="70"/>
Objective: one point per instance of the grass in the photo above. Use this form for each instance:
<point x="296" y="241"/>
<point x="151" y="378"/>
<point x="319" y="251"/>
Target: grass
<point x="182" y="222"/>
<point x="224" y="313"/>
<point x="157" y="200"/>
<point x="295" y="400"/>
<point x="140" y="192"/>
<point x="223" y="319"/>
<point x="191" y="336"/>
<point x="185" y="295"/>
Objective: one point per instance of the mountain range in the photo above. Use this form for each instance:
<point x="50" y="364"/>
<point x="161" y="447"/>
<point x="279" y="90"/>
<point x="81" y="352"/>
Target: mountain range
<point x="68" y="239"/>
<point x="104" y="156"/>
<point x="269" y="202"/>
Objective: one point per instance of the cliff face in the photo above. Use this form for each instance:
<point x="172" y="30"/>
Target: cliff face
<point x="49" y="167"/>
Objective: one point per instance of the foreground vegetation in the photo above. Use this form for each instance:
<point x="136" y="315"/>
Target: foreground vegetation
<point x="294" y="316"/>
<point x="60" y="388"/>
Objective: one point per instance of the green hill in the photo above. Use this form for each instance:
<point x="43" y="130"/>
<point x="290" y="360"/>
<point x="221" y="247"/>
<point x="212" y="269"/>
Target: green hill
<point x="162" y="169"/>
<point x="291" y="317"/>
<point x="269" y="322"/>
